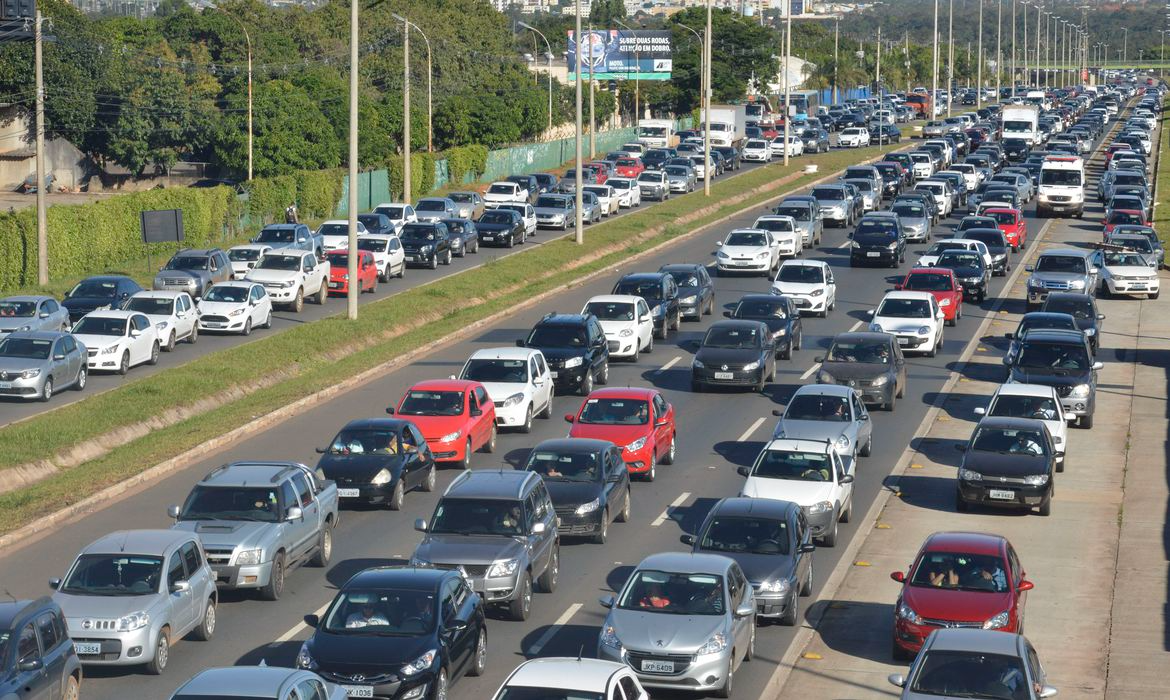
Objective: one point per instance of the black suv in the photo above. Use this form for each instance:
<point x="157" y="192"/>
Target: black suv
<point x="575" y="348"/>
<point x="588" y="482"/>
<point x="426" y="244"/>
<point x="37" y="659"/>
<point x="661" y="294"/>
<point x="1062" y="360"/>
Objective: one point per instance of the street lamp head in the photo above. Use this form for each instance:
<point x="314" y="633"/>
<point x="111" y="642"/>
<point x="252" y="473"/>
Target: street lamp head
<point x="519" y="24"/>
<point x="399" y="17"/>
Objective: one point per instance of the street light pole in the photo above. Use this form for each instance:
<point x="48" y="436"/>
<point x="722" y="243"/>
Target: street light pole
<point x="592" y="113"/>
<point x="1125" y="47"/>
<point x="248" y="39"/>
<point x="353" y="286"/>
<point x="788" y="83"/>
<point x="979" y="58"/>
<point x="430" y="78"/>
<point x="580" y="230"/>
<point x="950" y="55"/>
<point x="1013" y="75"/>
<point x="637" y="73"/>
<point x="998" y="48"/>
<point x="42" y="214"/>
<point x="707" y="107"/>
<point x="550" y="76"/>
<point x="836" y="60"/>
<point x="405" y="115"/>
<point x="934" y="61"/>
<point x="1024" y="12"/>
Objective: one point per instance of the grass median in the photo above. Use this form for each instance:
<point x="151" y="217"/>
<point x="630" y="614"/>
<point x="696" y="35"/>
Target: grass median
<point x="1162" y="180"/>
<point x="312" y="357"/>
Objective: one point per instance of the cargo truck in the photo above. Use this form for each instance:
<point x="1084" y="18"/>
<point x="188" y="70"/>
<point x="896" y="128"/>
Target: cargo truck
<point x="728" y="124"/>
<point x="1022" y="122"/>
<point x="657" y="133"/>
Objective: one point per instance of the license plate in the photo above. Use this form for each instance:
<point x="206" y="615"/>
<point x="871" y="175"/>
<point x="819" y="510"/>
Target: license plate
<point x="215" y="325"/>
<point x="358" y="691"/>
<point x="489" y="238"/>
<point x="554" y="375"/>
<point x="903" y="341"/>
<point x="5" y="385"/>
<point x="658" y="666"/>
<point x="334" y="285"/>
<point x="410" y="258"/>
<point x="348" y="493"/>
<point x="1132" y="286"/>
<point x="873" y="255"/>
<point x="725" y="375"/>
<point x="87" y="648"/>
<point x="1002" y="495"/>
<point x="741" y="263"/>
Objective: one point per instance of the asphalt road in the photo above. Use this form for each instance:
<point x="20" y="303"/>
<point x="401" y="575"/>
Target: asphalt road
<point x="717" y="433"/>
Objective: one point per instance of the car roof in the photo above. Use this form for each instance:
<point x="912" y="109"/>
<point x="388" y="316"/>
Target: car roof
<point x="242" y="284"/>
<point x="1044" y="314"/>
<point x="239" y="681"/>
<point x="806" y="263"/>
<point x="490" y="483"/>
<point x="860" y="336"/>
<point x="574" y="445"/>
<point x="15" y="610"/>
<point x="965" y="542"/>
<point x="503" y="353"/>
<point x="1056" y="335"/>
<point x="376" y="423"/>
<point x="742" y="323"/>
<point x="555" y="319"/>
<point x="1070" y="296"/>
<point x="801" y="444"/>
<point x="398" y="577"/>
<point x="762" y="507"/>
<point x="822" y="390"/>
<point x="588" y="675"/>
<point x="1010" y="423"/>
<point x="686" y="563"/>
<point x="156" y="294"/>
<point x="614" y="299"/>
<point x="628" y="392"/>
<point x="443" y="385"/>
<point x="680" y="267"/>
<point x="930" y="271"/>
<point x="137" y="542"/>
<point x="1037" y="390"/>
<point x="975" y="640"/>
<point x="105" y="278"/>
<point x="251" y="246"/>
<point x="113" y="313"/>
<point x="26" y="297"/>
<point x="642" y="276"/>
<point x="38" y="335"/>
<point x="1065" y="251"/>
<point x="247" y="474"/>
<point x="915" y="295"/>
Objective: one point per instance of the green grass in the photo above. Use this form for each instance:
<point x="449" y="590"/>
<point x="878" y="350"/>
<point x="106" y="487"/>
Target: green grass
<point x="298" y="352"/>
<point x="1162" y="180"/>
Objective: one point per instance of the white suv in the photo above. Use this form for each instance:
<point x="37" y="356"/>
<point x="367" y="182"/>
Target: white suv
<point x="626" y="321"/>
<point x="517" y="380"/>
<point x="173" y="314"/>
<point x="789" y="240"/>
<point x="388" y="254"/>
<point x="748" y="250"/>
<point x="914" y="318"/>
<point x="810" y="285"/>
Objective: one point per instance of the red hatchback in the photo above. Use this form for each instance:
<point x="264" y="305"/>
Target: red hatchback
<point x="1118" y="217"/>
<point x="456" y="417"/>
<point x="339" y="272"/>
<point x="640" y="421"/>
<point x="959" y="579"/>
<point x="940" y="282"/>
<point x="630" y="167"/>
<point x="1013" y="224"/>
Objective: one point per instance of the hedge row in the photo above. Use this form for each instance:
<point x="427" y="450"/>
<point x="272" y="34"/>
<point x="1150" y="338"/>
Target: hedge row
<point x="464" y="160"/>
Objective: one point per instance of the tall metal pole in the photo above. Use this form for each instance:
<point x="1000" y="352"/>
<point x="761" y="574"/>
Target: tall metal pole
<point x="1125" y="47"/>
<point x="787" y="82"/>
<point x="906" y="53"/>
<point x="353" y="286"/>
<point x="950" y="55"/>
<point x="1027" y="71"/>
<point x="42" y="225"/>
<point x="592" y="114"/>
<point x="1038" y="34"/>
<point x="248" y="39"/>
<point x="706" y="102"/>
<point x="637" y="73"/>
<point x="836" y="60"/>
<point x="934" y="62"/>
<point x="550" y="62"/>
<point x="979" y="60"/>
<point x="405" y="115"/>
<point x="878" y="72"/>
<point x="998" y="48"/>
<point x="580" y="229"/>
<point x="1013" y="75"/>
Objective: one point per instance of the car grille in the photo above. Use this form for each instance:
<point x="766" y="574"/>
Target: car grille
<point x="565" y="511"/>
<point x="1059" y="198"/>
<point x="219" y="556"/>
<point x="681" y="662"/>
<point x="614" y="345"/>
<point x="364" y="679"/>
<point x="471" y="570"/>
<point x="273" y="285"/>
<point x="952" y="624"/>
<point x="100" y="625"/>
<point x="1054" y="285"/>
<point x="1064" y="391"/>
<point x="178" y="282"/>
<point x="211" y="318"/>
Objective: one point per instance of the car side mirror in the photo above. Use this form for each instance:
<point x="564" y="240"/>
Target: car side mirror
<point x="538" y="528"/>
<point x="302" y="240"/>
<point x="1100" y="317"/>
<point x="606" y="601"/>
<point x="743" y="471"/>
<point x="312" y="620"/>
<point x="728" y="314"/>
<point x="687" y="539"/>
<point x="455" y="626"/>
<point x="389" y="410"/>
<point x="1025" y="586"/>
<point x="980" y="411"/>
<point x="420" y="524"/>
<point x="1093" y="270"/>
<point x="31" y="665"/>
<point x="745" y="610"/>
<point x="1008" y="336"/>
<point x="896" y="679"/>
<point x="869" y="313"/>
<point x="898" y="287"/>
<point x="807" y="548"/>
<point x="180" y="586"/>
<point x="320" y="450"/>
<point x="54" y="583"/>
<point x="519" y="343"/>
<point x="961" y="447"/>
<point x="44" y="314"/>
<point x="718" y="244"/>
<point x="661" y="424"/>
<point x="1098" y="365"/>
<point x="294" y="513"/>
<point x="847" y="479"/>
<point x="898" y="576"/>
<point x="1029" y="268"/>
<point x="819" y="359"/>
<point x="778" y="413"/>
<point x="59" y="357"/>
<point x="475" y="412"/>
<point x="173" y="512"/>
<point x="1047" y="692"/>
<point x="135" y="333"/>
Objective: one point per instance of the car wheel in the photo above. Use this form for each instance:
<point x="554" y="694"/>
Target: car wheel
<point x="124" y="365"/>
<point x="724" y="691"/>
<point x="324" y="553"/>
<point x="527" y="427"/>
<point x="519" y="608"/>
<point x="267" y="320"/>
<point x="162" y="653"/>
<point x="586" y="383"/>
<point x="1085" y="422"/>
<point x="652" y="472"/>
<point x="170" y="346"/>
<point x="441" y="684"/>
<point x="447" y="257"/>
<point x="194" y="337"/>
<point x="298" y="303"/>
<point x="848" y="512"/>
<point x="867" y="449"/>
<point x="275" y="587"/>
<point x="602" y="529"/>
<point x="47" y="390"/>
<point x="934" y="348"/>
<point x="247" y="327"/>
<point x="806" y="587"/>
<point x="480" y="663"/>
<point x="82" y="378"/>
<point x="206" y="629"/>
<point x="671" y="451"/>
<point x="428" y="483"/>
<point x="1046" y="507"/>
<point x="960" y="505"/>
<point x="435" y="261"/>
<point x="72" y="689"/>
<point x="649" y="345"/>
<point x="790" y="616"/>
<point x="154" y="353"/>
<point x="799" y="340"/>
<point x="490" y="445"/>
<point x="396" y="496"/>
<point x="465" y="463"/>
<point x="384" y="274"/>
<point x="603" y="378"/>
<point x="402" y="270"/>
<point x="511" y="244"/>
<point x="829" y="539"/>
<point x="624" y="515"/>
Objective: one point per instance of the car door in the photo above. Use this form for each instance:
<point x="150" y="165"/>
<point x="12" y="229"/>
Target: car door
<point x="598" y="348"/>
<point x="830" y="285"/>
<point x="801" y="536"/>
<point x="416" y="456"/>
<point x="486" y="420"/>
<point x="30" y="674"/>
<point x="1017" y="573"/>
<point x="310" y="510"/>
<point x="543" y="388"/>
<point x="182" y="601"/>
<point x="630" y="687"/>
<point x="645" y="323"/>
<point x="199" y="573"/>
<point x="841" y="470"/>
<point x="310" y="689"/>
<point x="141" y="342"/>
<point x="545" y="513"/>
<point x="663" y="427"/>
<point x="184" y="315"/>
<point x="616" y="490"/>
<point x="296" y="530"/>
<point x="454" y="633"/>
<point x="71" y="365"/>
<point x="864" y="425"/>
<point x="737" y="590"/>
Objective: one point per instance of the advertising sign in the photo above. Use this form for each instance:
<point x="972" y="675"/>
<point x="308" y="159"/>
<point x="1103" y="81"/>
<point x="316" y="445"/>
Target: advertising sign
<point x="620" y="54"/>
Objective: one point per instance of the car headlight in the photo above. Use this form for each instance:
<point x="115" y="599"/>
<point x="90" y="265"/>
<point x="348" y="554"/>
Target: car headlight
<point x="1035" y="283"/>
<point x="513" y="400"/>
<point x="382" y="477"/>
<point x="1036" y="479"/>
<point x="133" y="621"/>
<point x="694" y="299"/>
<point x="824" y="377"/>
<point x="944" y="302"/>
<point x="968" y="475"/>
<point x="816" y="293"/>
<point x="589" y="507"/>
<point x="1076" y="284"/>
<point x="721" y="254"/>
<point x="892" y="246"/>
<point x="1090" y="331"/>
<point x="880" y="381"/>
<point x="420" y="664"/>
<point x="626" y="333"/>
<point x="659" y="310"/>
<point x="751" y="366"/>
<point x="237" y="312"/>
<point x="820" y="507"/>
<point x="451" y="437"/>
<point x="761" y="256"/>
<point x="249" y="557"/>
<point x="972" y="280"/>
<point x="609" y="638"/>
<point x="574" y="362"/>
<point x="636" y="444"/>
<point x="843" y="442"/>
<point x="716" y="644"/>
<point x="907" y="613"/>
<point x="1080" y="391"/>
<point x="697" y="365"/>
<point x="289" y="284"/>
<point x="503" y="568"/>
<point x="305" y="658"/>
<point x="110" y="350"/>
<point x="999" y="621"/>
<point x="923" y="330"/>
<point x="780" y="333"/>
<point x="426" y="249"/>
<point x="161" y="325"/>
<point x="30" y="374"/>
<point x="876" y="328"/>
<point x="777" y="586"/>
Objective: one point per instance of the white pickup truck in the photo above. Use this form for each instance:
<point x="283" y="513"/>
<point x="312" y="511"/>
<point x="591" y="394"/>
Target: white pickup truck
<point x="290" y="275"/>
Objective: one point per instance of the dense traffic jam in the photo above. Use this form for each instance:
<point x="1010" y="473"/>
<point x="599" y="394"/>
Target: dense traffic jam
<point x="494" y="538"/>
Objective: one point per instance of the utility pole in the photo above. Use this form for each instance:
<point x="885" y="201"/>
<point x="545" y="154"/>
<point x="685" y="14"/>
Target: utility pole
<point x="637" y="72"/>
<point x="42" y="224"/>
<point x="353" y="286"/>
<point x="878" y="72"/>
<point x="706" y="102"/>
<point x="836" y="60"/>
<point x="1038" y="33"/>
<point x="906" y="54"/>
<point x="998" y="48"/>
<point x="592" y="115"/>
<point x="979" y="58"/>
<point x="1013" y="75"/>
<point x="405" y="115"/>
<point x="1024" y="12"/>
<point x="934" y="62"/>
<point x="580" y="230"/>
<point x="1125" y="47"/>
<point x="248" y="39"/>
<point x="950" y="56"/>
<point x="548" y="46"/>
<point x="787" y="83"/>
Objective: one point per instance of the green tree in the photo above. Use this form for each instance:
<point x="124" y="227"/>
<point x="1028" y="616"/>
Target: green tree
<point x="290" y="133"/>
<point x="603" y="12"/>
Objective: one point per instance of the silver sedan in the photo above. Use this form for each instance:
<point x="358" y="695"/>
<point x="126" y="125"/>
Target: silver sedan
<point x="32" y="313"/>
<point x="680" y="178"/>
<point x="34" y="364"/>
<point x="827" y="412"/>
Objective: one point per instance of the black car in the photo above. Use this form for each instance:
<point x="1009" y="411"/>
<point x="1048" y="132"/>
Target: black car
<point x="893" y="178"/>
<point x="376" y="223"/>
<point x="1083" y="308"/>
<point x="1034" y="321"/>
<point x="661" y="294"/>
<point x="588" y="482"/>
<point x="778" y="313"/>
<point x="401" y="632"/>
<point x="426" y="244"/>
<point x="696" y="291"/>
<point x="377" y="460"/>
<point x="732" y="158"/>
<point x="102" y="291"/>
<point x="464" y="236"/>
<point x="501" y="227"/>
<point x="575" y="348"/>
<point x="37" y="659"/>
<point x="877" y="240"/>
<point x="735" y="353"/>
<point x="997" y="245"/>
<point x="1008" y="462"/>
<point x="655" y="158"/>
<point x="547" y="182"/>
<point x="815" y="140"/>
<point x="886" y="133"/>
<point x="771" y="541"/>
<point x="1063" y="360"/>
<point x="870" y="363"/>
<point x="529" y="183"/>
<point x="971" y="270"/>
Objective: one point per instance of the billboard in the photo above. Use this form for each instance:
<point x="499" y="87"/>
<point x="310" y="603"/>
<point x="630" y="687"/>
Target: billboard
<point x="620" y="54"/>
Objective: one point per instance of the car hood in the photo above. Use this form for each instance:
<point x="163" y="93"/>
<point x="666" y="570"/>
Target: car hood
<point x="466" y="549"/>
<point x="179" y="274"/>
<point x="262" y="276"/>
<point x="797" y="287"/>
<point x="435" y="427"/>
<point x="1008" y="465"/>
<point x="615" y="327"/>
<point x="744" y="250"/>
<point x="957" y="606"/>
<point x="221" y="308"/>
<point x="368" y="655"/>
<point x="15" y="365"/>
<point x="552" y="211"/>
<point x="500" y="391"/>
<point x="803" y="493"/>
<point x="573" y="493"/>
<point x="1123" y="270"/>
<point x="78" y="607"/>
<point x="558" y="355"/>
<point x="855" y="370"/>
<point x="89" y="303"/>
<point x="620" y="435"/>
<point x="491" y="227"/>
<point x="914" y="223"/>
<point x="1049" y="377"/>
<point x="226" y="533"/>
<point x="819" y="430"/>
<point x="464" y="210"/>
<point x="967" y="271"/>
<point x="663" y="633"/>
<point x="907" y="325"/>
<point x="762" y="567"/>
<point x="357" y="466"/>
<point x="716" y="356"/>
<point x="96" y="342"/>
<point x="14" y="322"/>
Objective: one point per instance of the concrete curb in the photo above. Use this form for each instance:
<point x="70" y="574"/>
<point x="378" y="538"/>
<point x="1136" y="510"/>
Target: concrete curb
<point x="32" y="532"/>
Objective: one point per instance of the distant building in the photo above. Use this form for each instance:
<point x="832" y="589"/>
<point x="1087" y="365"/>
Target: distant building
<point x="66" y="165"/>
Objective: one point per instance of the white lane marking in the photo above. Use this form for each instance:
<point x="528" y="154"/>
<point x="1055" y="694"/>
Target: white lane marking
<point x="748" y="433"/>
<point x="810" y="371"/>
<point x="299" y="627"/>
<point x="682" y="498"/>
<point x="554" y="628"/>
<point x="667" y="366"/>
<point x="846" y="244"/>
<point x="854" y="327"/>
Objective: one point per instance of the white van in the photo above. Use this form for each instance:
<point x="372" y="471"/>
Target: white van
<point x="1062" y="186"/>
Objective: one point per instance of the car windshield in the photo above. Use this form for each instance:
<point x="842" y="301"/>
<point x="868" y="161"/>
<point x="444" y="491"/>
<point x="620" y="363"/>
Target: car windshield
<point x="17" y="309"/>
<point x="397" y="613"/>
<point x="956" y="259"/>
<point x="280" y="262"/>
<point x="928" y="282"/>
<point x="419" y="402"/>
<point x="863" y="185"/>
<point x="501" y="371"/>
<point x="339" y="262"/>
<point x="188" y="262"/>
<point x="244" y="254"/>
<point x="565" y="466"/>
<point x="395" y="213"/>
<point x="494" y="189"/>
<point x="611" y="310"/>
<point x="798" y="213"/>
<point x="334" y="230"/>
<point x="745" y="536"/>
<point x="151" y="305"/>
<point x="833" y="409"/>
<point x="552" y="202"/>
<point x="879" y="231"/>
<point x="114" y="575"/>
<point x="647" y="289"/>
<point x="684" y="278"/>
<point x="496" y="216"/>
<point x="232" y="503"/>
<point x="1009" y="441"/>
<point x="910" y="211"/>
<point x="1017" y="406"/>
<point x="360" y="441"/>
<point x="676" y="170"/>
<point x="230" y="294"/>
<point x="800" y="274"/>
<point x="1077" y="308"/>
<point x="992" y="239"/>
<point x="960" y="571"/>
<point x="872" y="351"/>
<point x="763" y="308"/>
<point x="795" y="466"/>
<point x="26" y="348"/>
<point x="775" y="225"/>
<point x="1124" y="259"/>
<point x="437" y="204"/>
<point x="1060" y="178"/>
<point x="615" y="412"/>
<point x="599" y="190"/>
<point x="100" y="325"/>
<point x="747" y="239"/>
<point x="461" y="197"/>
<point x="94" y="288"/>
<point x="473" y="516"/>
<point x="1057" y="356"/>
<point x="557" y="336"/>
<point x="673" y="593"/>
<point x="732" y="338"/>
<point x="828" y="193"/>
<point x="756" y="144"/>
<point x="904" y="308"/>
<point x="1074" y="264"/>
<point x="374" y="245"/>
<point x="620" y="183"/>
<point x="420" y="232"/>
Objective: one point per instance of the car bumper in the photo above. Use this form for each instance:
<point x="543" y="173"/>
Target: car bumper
<point x="657" y="193"/>
<point x="231" y="577"/>
<point x="870" y="394"/>
<point x="1133" y="287"/>
<point x="909" y="341"/>
<point x="678" y="187"/>
<point x="389" y="686"/>
<point x="417" y="258"/>
<point x="776" y="604"/>
<point x="339" y="287"/>
<point x="1077" y="406"/>
<point x="23" y="388"/>
<point x="1005" y="495"/>
<point x="115" y="649"/>
<point x="281" y="294"/>
<point x="638" y="461"/>
<point x="551" y="223"/>
<point x="872" y="257"/>
<point x="573" y="525"/>
<point x="710" y="376"/>
<point x="510" y="417"/>
<point x="699" y="674"/>
<point x="971" y="291"/>
<point x="622" y="347"/>
<point x="818" y="523"/>
<point x="102" y="362"/>
<point x="364" y="492"/>
<point x="449" y="451"/>
<point x="756" y="157"/>
<point x="806" y="303"/>
<point x="232" y="326"/>
<point x="735" y="265"/>
<point x="568" y="379"/>
<point x="912" y="236"/>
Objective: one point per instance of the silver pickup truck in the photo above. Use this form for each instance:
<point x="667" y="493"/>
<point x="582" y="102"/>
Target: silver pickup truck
<point x="259" y="520"/>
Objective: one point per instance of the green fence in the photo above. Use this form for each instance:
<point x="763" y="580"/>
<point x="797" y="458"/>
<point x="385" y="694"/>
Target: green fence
<point x="373" y="189"/>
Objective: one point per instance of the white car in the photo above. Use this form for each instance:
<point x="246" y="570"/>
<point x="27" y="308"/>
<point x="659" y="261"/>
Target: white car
<point x="388" y="254"/>
<point x="518" y="380"/>
<point x="400" y="214"/>
<point x="923" y="166"/>
<point x="971" y="175"/>
<point x="626" y="321"/>
<point x="173" y="314"/>
<point x="789" y="240"/>
<point x="527" y="214"/>
<point x="747" y="250"/>
<point x="941" y="192"/>
<point x="914" y="318"/>
<point x="808" y="473"/>
<point x="245" y="257"/>
<point x="606" y="198"/>
<point x="552" y="677"/>
<point x="335" y="234"/>
<point x="117" y="340"/>
<point x="626" y="191"/>
<point x="853" y="137"/>
<point x="235" y="307"/>
<point x="505" y="193"/>
<point x="930" y="257"/>
<point x="1037" y="402"/>
<point x="979" y="247"/>
<point x="795" y="145"/>
<point x="290" y="276"/>
<point x="757" y="150"/>
<point x="1126" y="272"/>
<point x="810" y="285"/>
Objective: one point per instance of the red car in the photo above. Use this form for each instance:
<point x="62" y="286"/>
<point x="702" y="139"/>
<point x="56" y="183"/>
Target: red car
<point x="367" y="272"/>
<point x="1118" y="217"/>
<point x="640" y="421"/>
<point x="940" y="282"/>
<point x="959" y="579"/>
<point x="771" y="131"/>
<point x="601" y="172"/>
<point x="455" y="416"/>
<point x="630" y="167"/>
<point x="1112" y="150"/>
<point x="1013" y="224"/>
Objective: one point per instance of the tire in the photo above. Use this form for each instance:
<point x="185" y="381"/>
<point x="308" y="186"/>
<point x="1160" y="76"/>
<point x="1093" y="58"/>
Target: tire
<point x="603" y="378"/>
<point x="934" y="348"/>
<point x="194" y="337"/>
<point x="124" y="365"/>
<point x="527" y="426"/>
<point x="72" y="689"/>
<point x="205" y="630"/>
<point x="324" y="553"/>
<point x="848" y="512"/>
<point x="397" y="496"/>
<point x="1085" y="422"/>
<point x="868" y="449"/>
<point x="384" y="275"/>
<point x="82" y="378"/>
<point x="298" y="304"/>
<point x="155" y="350"/>
<point x="511" y="243"/>
<point x="520" y="608"/>
<point x="435" y="261"/>
<point x="428" y="483"/>
<point x="829" y="539"/>
<point x="162" y="653"/>
<point x="275" y="587"/>
<point x="447" y="257"/>
<point x="586" y="384"/>
<point x="490" y="445"/>
<point x="724" y="691"/>
<point x="1046" y="507"/>
<point x="267" y="321"/>
<point x="624" y="515"/>
<point x="546" y="412"/>
<point x="806" y="587"/>
<point x="170" y="346"/>
<point x="649" y="475"/>
<point x="671" y="452"/>
<point x="790" y="616"/>
<point x="603" y="531"/>
<point x="323" y="293"/>
<point x="649" y="346"/>
<point x="247" y="327"/>
<point x="47" y="390"/>
<point x="402" y="270"/>
<point x="442" y="685"/>
<point x="465" y="463"/>
<point x="479" y="662"/>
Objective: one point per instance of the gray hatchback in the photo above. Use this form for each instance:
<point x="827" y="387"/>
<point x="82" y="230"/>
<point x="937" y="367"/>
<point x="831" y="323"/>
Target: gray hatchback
<point x="34" y="364"/>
